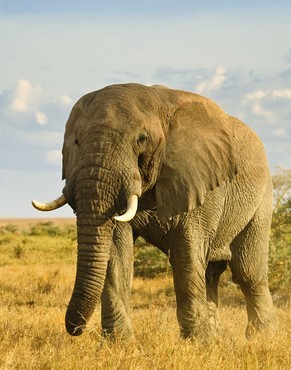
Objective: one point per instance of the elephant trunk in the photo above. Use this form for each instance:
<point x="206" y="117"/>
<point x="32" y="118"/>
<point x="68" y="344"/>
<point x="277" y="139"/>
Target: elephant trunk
<point x="94" y="239"/>
<point x="93" y="199"/>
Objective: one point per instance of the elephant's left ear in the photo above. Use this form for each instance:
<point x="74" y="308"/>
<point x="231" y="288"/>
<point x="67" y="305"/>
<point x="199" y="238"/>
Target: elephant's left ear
<point x="198" y="157"/>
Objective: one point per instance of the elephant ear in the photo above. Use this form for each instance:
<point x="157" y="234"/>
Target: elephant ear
<point x="198" y="157"/>
<point x="70" y="148"/>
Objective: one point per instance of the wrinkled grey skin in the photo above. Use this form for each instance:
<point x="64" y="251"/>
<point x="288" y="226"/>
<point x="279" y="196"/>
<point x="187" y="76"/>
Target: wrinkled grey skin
<point x="205" y="198"/>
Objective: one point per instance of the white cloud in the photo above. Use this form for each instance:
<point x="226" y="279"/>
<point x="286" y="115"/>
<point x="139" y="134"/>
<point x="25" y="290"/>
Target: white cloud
<point x="25" y="97"/>
<point x="288" y="56"/>
<point x="66" y="100"/>
<point x="54" y="157"/>
<point x="280" y="132"/>
<point x="260" y="94"/>
<point x="258" y="110"/>
<point x="286" y="94"/>
<point x="214" y="83"/>
<point x="260" y="99"/>
<point x="43" y="139"/>
<point x="257" y="95"/>
<point x="41" y="118"/>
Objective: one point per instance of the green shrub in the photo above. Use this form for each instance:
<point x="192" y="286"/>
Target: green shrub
<point x="45" y="229"/>
<point x="280" y="263"/>
<point x="13" y="229"/>
<point x="280" y="243"/>
<point x="149" y="261"/>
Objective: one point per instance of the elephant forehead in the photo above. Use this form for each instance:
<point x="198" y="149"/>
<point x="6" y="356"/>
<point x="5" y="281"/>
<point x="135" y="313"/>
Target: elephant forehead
<point x="125" y="100"/>
<point x="112" y="115"/>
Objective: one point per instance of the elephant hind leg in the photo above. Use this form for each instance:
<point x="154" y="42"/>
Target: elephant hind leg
<point x="249" y="266"/>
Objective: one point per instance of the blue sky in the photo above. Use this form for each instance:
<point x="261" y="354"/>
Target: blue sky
<point x="238" y="53"/>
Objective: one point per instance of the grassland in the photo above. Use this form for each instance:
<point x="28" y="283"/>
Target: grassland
<point x="37" y="268"/>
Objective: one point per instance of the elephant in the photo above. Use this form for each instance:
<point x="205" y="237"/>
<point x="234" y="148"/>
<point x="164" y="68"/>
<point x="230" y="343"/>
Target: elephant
<point x="172" y="167"/>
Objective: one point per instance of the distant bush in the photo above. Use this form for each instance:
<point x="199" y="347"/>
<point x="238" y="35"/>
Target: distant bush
<point x="281" y="223"/>
<point x="280" y="243"/>
<point x="19" y="248"/>
<point x="52" y="230"/>
<point x="149" y="261"/>
<point x="40" y="243"/>
<point x="13" y="229"/>
<point x="45" y="228"/>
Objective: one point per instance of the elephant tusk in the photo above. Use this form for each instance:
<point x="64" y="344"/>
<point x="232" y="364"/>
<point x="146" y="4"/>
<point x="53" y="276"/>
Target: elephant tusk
<point x="50" y="206"/>
<point x="132" y="204"/>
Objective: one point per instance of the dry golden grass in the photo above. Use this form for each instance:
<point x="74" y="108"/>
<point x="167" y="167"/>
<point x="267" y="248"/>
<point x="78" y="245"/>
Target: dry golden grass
<point x="32" y="334"/>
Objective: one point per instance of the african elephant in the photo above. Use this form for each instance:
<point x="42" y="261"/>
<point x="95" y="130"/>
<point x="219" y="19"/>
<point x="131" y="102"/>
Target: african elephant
<point x="173" y="167"/>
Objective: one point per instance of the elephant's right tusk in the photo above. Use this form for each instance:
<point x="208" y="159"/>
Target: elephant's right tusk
<point x="50" y="206"/>
<point x="131" y="209"/>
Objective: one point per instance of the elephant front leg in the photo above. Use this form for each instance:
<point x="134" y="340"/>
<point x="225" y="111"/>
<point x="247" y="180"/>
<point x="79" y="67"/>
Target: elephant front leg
<point x="195" y="315"/>
<point x="115" y="297"/>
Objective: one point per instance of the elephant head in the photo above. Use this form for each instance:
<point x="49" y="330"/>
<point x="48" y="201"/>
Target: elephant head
<point x="122" y="143"/>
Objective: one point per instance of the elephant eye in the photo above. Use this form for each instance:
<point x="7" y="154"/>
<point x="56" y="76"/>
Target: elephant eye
<point x="76" y="142"/>
<point x="142" y="138"/>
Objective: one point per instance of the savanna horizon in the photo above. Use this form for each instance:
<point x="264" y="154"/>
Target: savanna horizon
<point x="26" y="221"/>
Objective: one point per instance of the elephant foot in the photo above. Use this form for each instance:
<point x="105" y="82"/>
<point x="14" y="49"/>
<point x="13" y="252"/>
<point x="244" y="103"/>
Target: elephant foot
<point x="121" y="334"/>
<point x="201" y="335"/>
<point x="204" y="329"/>
<point x="116" y="324"/>
<point x="107" y="340"/>
<point x="266" y="327"/>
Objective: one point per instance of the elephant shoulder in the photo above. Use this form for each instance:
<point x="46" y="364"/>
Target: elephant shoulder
<point x="159" y="87"/>
<point x="250" y="154"/>
<point x="246" y="139"/>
